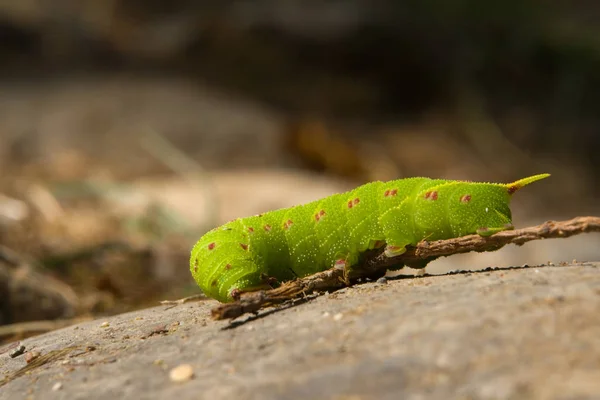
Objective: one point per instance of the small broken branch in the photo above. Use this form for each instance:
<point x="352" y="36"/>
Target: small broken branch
<point x="376" y="263"/>
<point x="29" y="328"/>
<point x="43" y="360"/>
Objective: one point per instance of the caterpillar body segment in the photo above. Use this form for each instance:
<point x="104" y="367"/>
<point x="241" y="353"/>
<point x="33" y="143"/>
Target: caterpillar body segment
<point x="281" y="245"/>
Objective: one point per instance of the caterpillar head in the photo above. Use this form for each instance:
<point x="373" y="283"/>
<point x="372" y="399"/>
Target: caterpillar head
<point x="483" y="208"/>
<point x="480" y="208"/>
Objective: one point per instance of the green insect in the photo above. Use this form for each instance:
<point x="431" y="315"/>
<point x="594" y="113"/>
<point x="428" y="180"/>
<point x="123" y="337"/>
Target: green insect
<point x="250" y="253"/>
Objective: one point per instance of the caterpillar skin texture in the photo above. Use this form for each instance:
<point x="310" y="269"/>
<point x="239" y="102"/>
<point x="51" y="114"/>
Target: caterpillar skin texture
<point x="247" y="253"/>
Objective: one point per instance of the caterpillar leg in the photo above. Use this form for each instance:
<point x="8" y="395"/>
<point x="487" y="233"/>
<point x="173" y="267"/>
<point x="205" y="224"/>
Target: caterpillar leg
<point x="354" y="271"/>
<point x="251" y="283"/>
<point x="235" y="293"/>
<point x="393" y="251"/>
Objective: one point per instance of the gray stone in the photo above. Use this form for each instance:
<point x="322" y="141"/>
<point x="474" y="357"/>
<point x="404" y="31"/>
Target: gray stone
<point x="510" y="333"/>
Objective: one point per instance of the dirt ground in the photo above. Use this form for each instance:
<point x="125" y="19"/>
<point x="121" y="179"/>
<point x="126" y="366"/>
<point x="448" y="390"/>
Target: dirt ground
<point x="521" y="333"/>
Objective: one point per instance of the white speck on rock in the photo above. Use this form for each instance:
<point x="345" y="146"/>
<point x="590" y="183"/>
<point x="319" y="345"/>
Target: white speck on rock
<point x="181" y="373"/>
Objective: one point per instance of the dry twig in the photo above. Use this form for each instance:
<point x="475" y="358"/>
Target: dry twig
<point x="42" y="360"/>
<point x="376" y="263"/>
<point x="29" y="328"/>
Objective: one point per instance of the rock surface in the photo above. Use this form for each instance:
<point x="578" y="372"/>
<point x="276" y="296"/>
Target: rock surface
<point x="530" y="332"/>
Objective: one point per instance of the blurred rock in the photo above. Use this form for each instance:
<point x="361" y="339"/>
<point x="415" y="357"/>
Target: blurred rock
<point x="30" y="295"/>
<point x="488" y="335"/>
<point x="220" y="196"/>
<point x="12" y="210"/>
<point x="66" y="127"/>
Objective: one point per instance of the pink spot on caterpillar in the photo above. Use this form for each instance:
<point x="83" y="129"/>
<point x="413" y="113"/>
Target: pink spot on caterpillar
<point x="319" y="215"/>
<point x="196" y="266"/>
<point x="214" y="283"/>
<point x="513" y="189"/>
<point x="465" y="198"/>
<point x="250" y="229"/>
<point x="288" y="224"/>
<point x="431" y="195"/>
<point x="386" y="193"/>
<point x="244" y="246"/>
<point x="356" y="201"/>
<point x="394" y="192"/>
<point x="235" y="294"/>
<point x="350" y="204"/>
<point x="339" y="264"/>
<point x="227" y="267"/>
<point x="267" y="228"/>
<point x="211" y="245"/>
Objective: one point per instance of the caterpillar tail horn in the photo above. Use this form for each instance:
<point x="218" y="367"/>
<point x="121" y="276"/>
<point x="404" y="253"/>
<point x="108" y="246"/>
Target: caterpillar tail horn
<point x="513" y="187"/>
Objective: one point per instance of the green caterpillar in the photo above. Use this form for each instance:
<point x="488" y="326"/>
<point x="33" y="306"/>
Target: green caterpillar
<point x="282" y="245"/>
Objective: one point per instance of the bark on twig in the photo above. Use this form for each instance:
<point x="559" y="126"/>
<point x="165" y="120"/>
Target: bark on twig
<point x="376" y="263"/>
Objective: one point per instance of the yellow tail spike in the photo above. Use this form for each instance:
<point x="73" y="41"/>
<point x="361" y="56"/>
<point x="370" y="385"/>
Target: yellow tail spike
<point x="513" y="187"/>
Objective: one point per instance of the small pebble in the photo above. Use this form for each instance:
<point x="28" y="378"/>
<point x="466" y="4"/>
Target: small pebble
<point x="382" y="280"/>
<point x="17" y="352"/>
<point x="326" y="314"/>
<point x="338" y="316"/>
<point x="57" y="386"/>
<point x="181" y="373"/>
<point x="32" y="355"/>
<point x="105" y="324"/>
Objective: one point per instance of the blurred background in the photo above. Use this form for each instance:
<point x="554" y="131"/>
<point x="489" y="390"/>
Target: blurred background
<point x="130" y="127"/>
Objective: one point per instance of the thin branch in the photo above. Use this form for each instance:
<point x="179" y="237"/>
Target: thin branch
<point x="185" y="166"/>
<point x="173" y="303"/>
<point x="376" y="263"/>
<point x="29" y="328"/>
<point x="42" y="360"/>
<point x="466" y="244"/>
